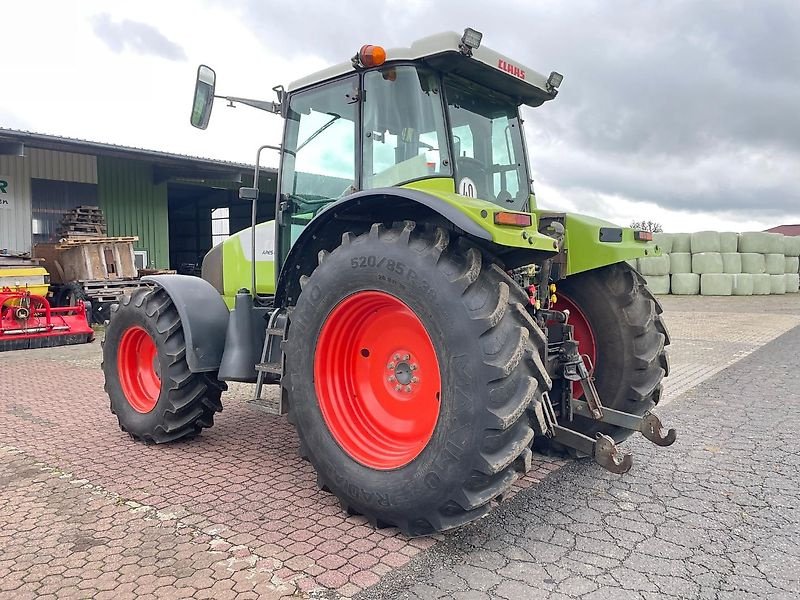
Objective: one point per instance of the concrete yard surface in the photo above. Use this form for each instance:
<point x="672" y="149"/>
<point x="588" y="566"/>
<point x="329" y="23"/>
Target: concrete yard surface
<point x="87" y="512"/>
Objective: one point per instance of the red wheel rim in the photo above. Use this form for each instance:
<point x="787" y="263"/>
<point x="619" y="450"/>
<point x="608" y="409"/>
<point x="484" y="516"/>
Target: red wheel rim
<point x="377" y="380"/>
<point x="583" y="334"/>
<point x="137" y="364"/>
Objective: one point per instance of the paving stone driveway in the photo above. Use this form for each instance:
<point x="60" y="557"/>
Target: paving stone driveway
<point x="85" y="512"/>
<point x="716" y="517"/>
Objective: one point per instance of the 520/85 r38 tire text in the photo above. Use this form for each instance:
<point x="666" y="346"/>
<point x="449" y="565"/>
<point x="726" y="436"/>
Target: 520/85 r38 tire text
<point x="410" y="362"/>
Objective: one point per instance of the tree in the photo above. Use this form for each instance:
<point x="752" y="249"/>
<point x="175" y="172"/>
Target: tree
<point x="647" y="226"/>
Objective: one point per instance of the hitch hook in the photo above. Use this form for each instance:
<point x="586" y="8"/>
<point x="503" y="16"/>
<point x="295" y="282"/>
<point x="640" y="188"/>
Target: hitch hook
<point x="651" y="428"/>
<point x="608" y="456"/>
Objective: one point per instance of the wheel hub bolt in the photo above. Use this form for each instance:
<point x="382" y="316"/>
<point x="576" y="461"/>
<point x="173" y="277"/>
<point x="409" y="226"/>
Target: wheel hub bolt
<point x="408" y="388"/>
<point x="406" y="357"/>
<point x="391" y="377"/>
<point x="396" y="357"/>
<point x="397" y="388"/>
<point x="415" y="380"/>
<point x="413" y="366"/>
<point x="390" y="365"/>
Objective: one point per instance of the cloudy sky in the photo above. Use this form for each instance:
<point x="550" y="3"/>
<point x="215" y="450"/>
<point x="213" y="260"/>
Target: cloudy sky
<point x="685" y="112"/>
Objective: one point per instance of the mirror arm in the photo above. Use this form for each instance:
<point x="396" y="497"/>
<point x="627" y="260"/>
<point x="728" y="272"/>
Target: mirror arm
<point x="273" y="107"/>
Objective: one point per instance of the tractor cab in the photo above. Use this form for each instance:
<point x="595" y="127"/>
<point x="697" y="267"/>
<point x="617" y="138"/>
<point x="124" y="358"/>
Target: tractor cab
<point x="443" y="113"/>
<point x="440" y="117"/>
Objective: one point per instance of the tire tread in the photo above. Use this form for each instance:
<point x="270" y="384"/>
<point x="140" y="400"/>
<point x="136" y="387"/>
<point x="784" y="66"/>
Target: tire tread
<point x="506" y="430"/>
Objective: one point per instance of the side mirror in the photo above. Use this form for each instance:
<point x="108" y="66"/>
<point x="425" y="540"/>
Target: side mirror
<point x="203" y="97"/>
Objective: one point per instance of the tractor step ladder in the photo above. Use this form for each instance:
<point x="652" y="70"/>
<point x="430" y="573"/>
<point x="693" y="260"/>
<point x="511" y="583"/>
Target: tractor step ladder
<point x="271" y="372"/>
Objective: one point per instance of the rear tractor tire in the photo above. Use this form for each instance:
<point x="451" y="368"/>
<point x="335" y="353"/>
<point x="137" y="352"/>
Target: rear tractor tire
<point x="618" y="324"/>
<point x="410" y="363"/>
<point x="153" y="394"/>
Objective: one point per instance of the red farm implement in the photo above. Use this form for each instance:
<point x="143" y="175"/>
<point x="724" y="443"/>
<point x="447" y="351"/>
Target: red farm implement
<point x="28" y="321"/>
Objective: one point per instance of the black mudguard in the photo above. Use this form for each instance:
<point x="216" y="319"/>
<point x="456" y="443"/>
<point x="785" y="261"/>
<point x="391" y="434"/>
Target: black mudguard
<point x="204" y="318"/>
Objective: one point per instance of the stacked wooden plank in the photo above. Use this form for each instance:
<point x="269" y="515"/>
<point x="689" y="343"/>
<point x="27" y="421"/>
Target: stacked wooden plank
<point x="82" y="222"/>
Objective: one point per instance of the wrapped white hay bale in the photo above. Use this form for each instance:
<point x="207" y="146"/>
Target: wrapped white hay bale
<point x="762" y="284"/>
<point x="716" y="284"/>
<point x="791" y="245"/>
<point x="792" y="264"/>
<point x="728" y="241"/>
<point x="658" y="284"/>
<point x="754" y="241"/>
<point x="776" y="264"/>
<point x="705" y="241"/>
<point x="663" y="241"/>
<point x="680" y="262"/>
<point x="707" y="262"/>
<point x="655" y="265"/>
<point x="777" y="284"/>
<point x="685" y="284"/>
<point x="681" y="242"/>
<point x="743" y="284"/>
<point x="775" y="243"/>
<point x="731" y="262"/>
<point x="753" y="263"/>
<point x="792" y="283"/>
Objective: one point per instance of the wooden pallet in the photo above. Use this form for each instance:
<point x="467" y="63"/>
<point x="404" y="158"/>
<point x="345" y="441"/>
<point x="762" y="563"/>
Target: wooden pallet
<point x="83" y="219"/>
<point x="80" y="241"/>
<point x="103" y="290"/>
<point x="81" y="229"/>
<point x="146" y="272"/>
<point x="85" y="211"/>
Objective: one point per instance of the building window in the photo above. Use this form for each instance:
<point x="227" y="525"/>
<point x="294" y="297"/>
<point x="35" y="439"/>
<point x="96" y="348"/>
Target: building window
<point x="220" y="225"/>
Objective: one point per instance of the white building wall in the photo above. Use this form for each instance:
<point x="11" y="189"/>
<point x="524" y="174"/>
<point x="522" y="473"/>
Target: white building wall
<point x="15" y="216"/>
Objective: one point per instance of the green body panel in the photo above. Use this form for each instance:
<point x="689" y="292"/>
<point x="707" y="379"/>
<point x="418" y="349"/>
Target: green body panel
<point x="504" y="235"/>
<point x="236" y="267"/>
<point x="237" y="270"/>
<point x="585" y="251"/>
<point x="582" y="243"/>
<point x="133" y="205"/>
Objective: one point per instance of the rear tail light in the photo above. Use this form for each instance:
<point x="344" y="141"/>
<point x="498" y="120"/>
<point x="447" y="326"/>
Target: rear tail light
<point x="643" y="236"/>
<point x="513" y="219"/>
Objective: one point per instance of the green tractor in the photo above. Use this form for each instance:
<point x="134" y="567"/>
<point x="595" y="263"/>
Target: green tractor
<point x="427" y="325"/>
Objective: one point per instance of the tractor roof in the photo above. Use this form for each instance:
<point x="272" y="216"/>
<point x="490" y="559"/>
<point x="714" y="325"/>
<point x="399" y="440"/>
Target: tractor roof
<point x="441" y="51"/>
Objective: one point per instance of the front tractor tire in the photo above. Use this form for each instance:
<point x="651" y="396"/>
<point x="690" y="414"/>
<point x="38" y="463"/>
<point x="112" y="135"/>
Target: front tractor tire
<point x="618" y="325"/>
<point x="410" y="363"/>
<point x="152" y="392"/>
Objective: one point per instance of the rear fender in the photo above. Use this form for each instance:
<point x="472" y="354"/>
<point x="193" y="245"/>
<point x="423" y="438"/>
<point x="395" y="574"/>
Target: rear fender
<point x="204" y="318"/>
<point x="357" y="212"/>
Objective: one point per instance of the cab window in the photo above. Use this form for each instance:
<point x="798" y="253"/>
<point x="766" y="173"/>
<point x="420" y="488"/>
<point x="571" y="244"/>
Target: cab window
<point x="319" y="160"/>
<point x="404" y="135"/>
<point x="487" y="143"/>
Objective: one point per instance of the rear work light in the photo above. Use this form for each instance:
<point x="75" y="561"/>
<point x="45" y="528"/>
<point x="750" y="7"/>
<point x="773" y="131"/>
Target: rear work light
<point x="513" y="219"/>
<point x="471" y="40"/>
<point x="643" y="236"/>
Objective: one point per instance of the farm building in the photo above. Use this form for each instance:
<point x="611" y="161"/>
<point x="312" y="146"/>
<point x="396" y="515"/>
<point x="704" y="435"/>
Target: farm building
<point x="177" y="205"/>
